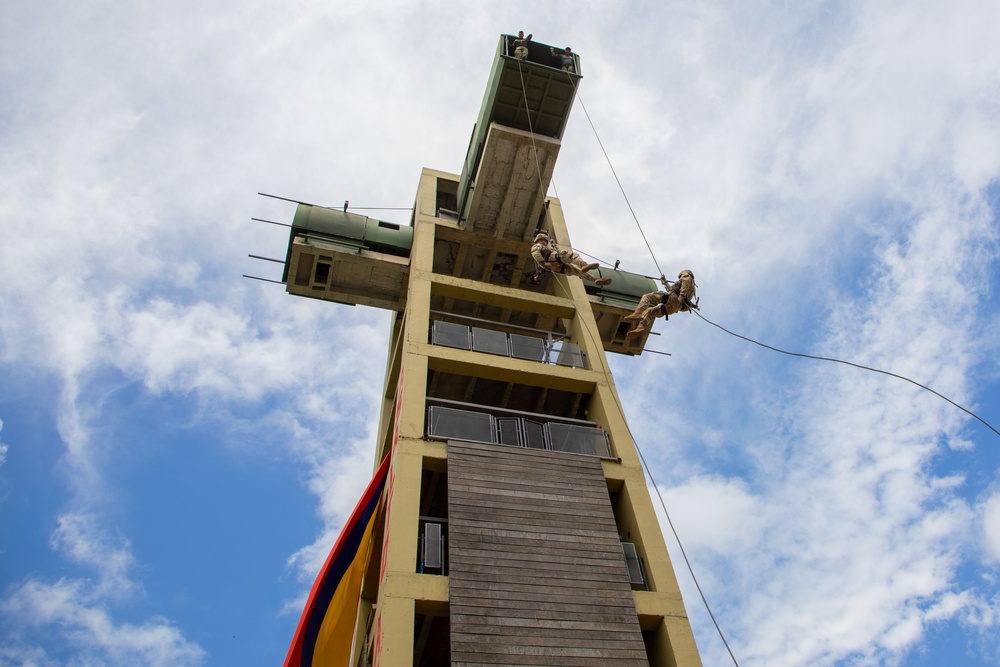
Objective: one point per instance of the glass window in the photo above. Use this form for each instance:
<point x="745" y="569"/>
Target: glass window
<point x="570" y="355"/>
<point x="489" y="341"/>
<point x="527" y="347"/>
<point x="578" y="439"/>
<point x="460" y="424"/>
<point x="534" y="434"/>
<point x="509" y="432"/>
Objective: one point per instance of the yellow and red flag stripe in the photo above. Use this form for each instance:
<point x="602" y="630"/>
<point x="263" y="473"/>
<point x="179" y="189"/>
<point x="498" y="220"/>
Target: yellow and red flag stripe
<point x="326" y="628"/>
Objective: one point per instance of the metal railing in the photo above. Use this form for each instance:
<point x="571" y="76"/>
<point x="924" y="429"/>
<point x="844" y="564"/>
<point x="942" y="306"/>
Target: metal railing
<point x="542" y="346"/>
<point x="518" y="429"/>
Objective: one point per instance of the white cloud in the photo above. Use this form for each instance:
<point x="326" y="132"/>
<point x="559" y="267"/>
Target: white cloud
<point x="729" y="517"/>
<point x="859" y="538"/>
<point x="3" y="448"/>
<point x="61" y="612"/>
<point x="81" y="538"/>
<point x="74" y="616"/>
<point x="991" y="526"/>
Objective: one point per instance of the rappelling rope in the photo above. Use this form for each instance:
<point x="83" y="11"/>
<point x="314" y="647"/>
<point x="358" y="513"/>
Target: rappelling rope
<point x="678" y="538"/>
<point x="527" y="111"/>
<point x="850" y="363"/>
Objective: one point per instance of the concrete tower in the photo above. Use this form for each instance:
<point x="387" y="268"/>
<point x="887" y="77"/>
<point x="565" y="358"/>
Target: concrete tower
<point x="516" y="527"/>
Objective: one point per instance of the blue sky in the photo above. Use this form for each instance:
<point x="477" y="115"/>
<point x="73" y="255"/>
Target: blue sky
<point x="181" y="445"/>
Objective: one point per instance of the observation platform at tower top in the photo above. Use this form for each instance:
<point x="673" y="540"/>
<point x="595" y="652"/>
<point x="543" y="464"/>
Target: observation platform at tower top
<point x="550" y="89"/>
<point x="529" y="102"/>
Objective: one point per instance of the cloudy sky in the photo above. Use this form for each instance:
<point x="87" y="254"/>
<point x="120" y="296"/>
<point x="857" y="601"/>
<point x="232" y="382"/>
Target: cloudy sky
<point x="180" y="445"/>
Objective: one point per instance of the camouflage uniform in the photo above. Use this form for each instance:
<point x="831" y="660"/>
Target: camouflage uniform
<point x="548" y="256"/>
<point x="663" y="304"/>
<point x="521" y="46"/>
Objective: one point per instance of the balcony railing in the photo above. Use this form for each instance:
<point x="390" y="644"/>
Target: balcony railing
<point x="541" y="346"/>
<point x="517" y="429"/>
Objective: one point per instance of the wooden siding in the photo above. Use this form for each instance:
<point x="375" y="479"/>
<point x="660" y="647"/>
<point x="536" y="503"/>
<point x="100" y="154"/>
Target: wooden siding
<point x="536" y="572"/>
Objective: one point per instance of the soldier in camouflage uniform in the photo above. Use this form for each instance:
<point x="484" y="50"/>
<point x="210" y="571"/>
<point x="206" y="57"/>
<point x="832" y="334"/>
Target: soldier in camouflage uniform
<point x="521" y="46"/>
<point x="676" y="298"/>
<point x="548" y="256"/>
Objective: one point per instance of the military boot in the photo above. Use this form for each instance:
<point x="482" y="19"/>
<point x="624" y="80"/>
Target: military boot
<point x="635" y="316"/>
<point x="638" y="331"/>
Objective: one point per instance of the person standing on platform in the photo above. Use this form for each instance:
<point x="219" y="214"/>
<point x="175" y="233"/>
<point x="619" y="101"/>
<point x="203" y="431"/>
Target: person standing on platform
<point x="566" y="58"/>
<point x="521" y="46"/>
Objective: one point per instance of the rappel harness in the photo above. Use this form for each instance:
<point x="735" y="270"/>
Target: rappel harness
<point x="540" y="270"/>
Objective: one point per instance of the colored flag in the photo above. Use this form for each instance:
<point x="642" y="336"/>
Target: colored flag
<point x="326" y="628"/>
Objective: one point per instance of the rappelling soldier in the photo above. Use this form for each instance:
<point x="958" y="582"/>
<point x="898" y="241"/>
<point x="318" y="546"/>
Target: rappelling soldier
<point x="549" y="257"/>
<point x="678" y="297"/>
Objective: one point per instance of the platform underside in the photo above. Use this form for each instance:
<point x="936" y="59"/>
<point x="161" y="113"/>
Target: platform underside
<point x="347" y="274"/>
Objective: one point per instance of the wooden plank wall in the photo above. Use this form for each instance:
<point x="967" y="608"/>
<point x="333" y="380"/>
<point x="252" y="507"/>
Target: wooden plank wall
<point x="536" y="573"/>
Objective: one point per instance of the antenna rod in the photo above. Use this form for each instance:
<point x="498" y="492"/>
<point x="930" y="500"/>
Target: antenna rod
<point x="294" y="201"/>
<point x="356" y="208"/>
<point x="272" y="222"/>
<point x="268" y="259"/>
<point x="266" y="280"/>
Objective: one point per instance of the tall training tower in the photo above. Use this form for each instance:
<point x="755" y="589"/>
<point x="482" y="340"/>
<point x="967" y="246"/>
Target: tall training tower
<point x="516" y="527"/>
